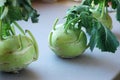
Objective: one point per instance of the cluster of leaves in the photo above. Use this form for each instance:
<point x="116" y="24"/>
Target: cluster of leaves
<point x="100" y="36"/>
<point x="20" y="10"/>
<point x="15" y="10"/>
<point x="114" y="3"/>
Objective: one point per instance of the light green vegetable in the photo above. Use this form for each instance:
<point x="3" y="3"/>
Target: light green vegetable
<point x="103" y="5"/>
<point x="100" y="12"/>
<point x="17" y="50"/>
<point x="69" y="39"/>
<point x="67" y="44"/>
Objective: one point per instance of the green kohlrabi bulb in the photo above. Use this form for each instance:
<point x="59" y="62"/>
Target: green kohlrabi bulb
<point x="103" y="17"/>
<point x="67" y="44"/>
<point x="16" y="52"/>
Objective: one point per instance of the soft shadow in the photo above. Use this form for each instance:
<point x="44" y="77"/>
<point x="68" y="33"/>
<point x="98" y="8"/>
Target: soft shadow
<point x="91" y="60"/>
<point x="84" y="59"/>
<point x="22" y="75"/>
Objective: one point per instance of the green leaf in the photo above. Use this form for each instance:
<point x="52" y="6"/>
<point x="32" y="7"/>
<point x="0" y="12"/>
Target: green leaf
<point x="21" y="10"/>
<point x="6" y="30"/>
<point x="100" y="36"/>
<point x="14" y="14"/>
<point x="93" y="38"/>
<point x="87" y="21"/>
<point x="87" y="2"/>
<point x="106" y="40"/>
<point x="76" y="12"/>
<point x="114" y="4"/>
<point x="103" y="38"/>
<point x="12" y="11"/>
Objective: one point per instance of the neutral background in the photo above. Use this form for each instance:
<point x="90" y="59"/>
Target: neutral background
<point x="94" y="65"/>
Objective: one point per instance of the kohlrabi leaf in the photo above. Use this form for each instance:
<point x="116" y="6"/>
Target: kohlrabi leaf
<point x="12" y="11"/>
<point x="16" y="16"/>
<point x="20" y="10"/>
<point x="87" y="2"/>
<point x="100" y="36"/>
<point x="106" y="40"/>
<point x="114" y="4"/>
<point x="75" y="13"/>
<point x="93" y="38"/>
<point x="103" y="38"/>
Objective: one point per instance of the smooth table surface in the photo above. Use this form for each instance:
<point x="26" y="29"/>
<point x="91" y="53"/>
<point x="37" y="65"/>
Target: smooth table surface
<point x="94" y="65"/>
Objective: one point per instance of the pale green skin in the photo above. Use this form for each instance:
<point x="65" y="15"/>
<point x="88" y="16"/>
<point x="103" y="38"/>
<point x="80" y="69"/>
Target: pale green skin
<point x="16" y="53"/>
<point x="101" y="14"/>
<point x="105" y="20"/>
<point x="67" y="45"/>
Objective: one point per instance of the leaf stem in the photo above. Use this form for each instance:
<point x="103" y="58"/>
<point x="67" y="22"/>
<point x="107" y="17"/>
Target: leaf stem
<point x="20" y="42"/>
<point x="69" y="23"/>
<point x="103" y="8"/>
<point x="4" y="13"/>
<point x="50" y="40"/>
<point x="13" y="30"/>
<point x="18" y="26"/>
<point x="34" y="43"/>
<point x="1" y="10"/>
<point x="0" y="29"/>
<point x="55" y="23"/>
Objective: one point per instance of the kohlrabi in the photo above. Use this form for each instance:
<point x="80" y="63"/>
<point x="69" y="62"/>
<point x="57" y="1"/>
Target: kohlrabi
<point x="83" y="29"/>
<point x="103" y="5"/>
<point x="100" y="12"/>
<point x="17" y="50"/>
<point x="67" y="44"/>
